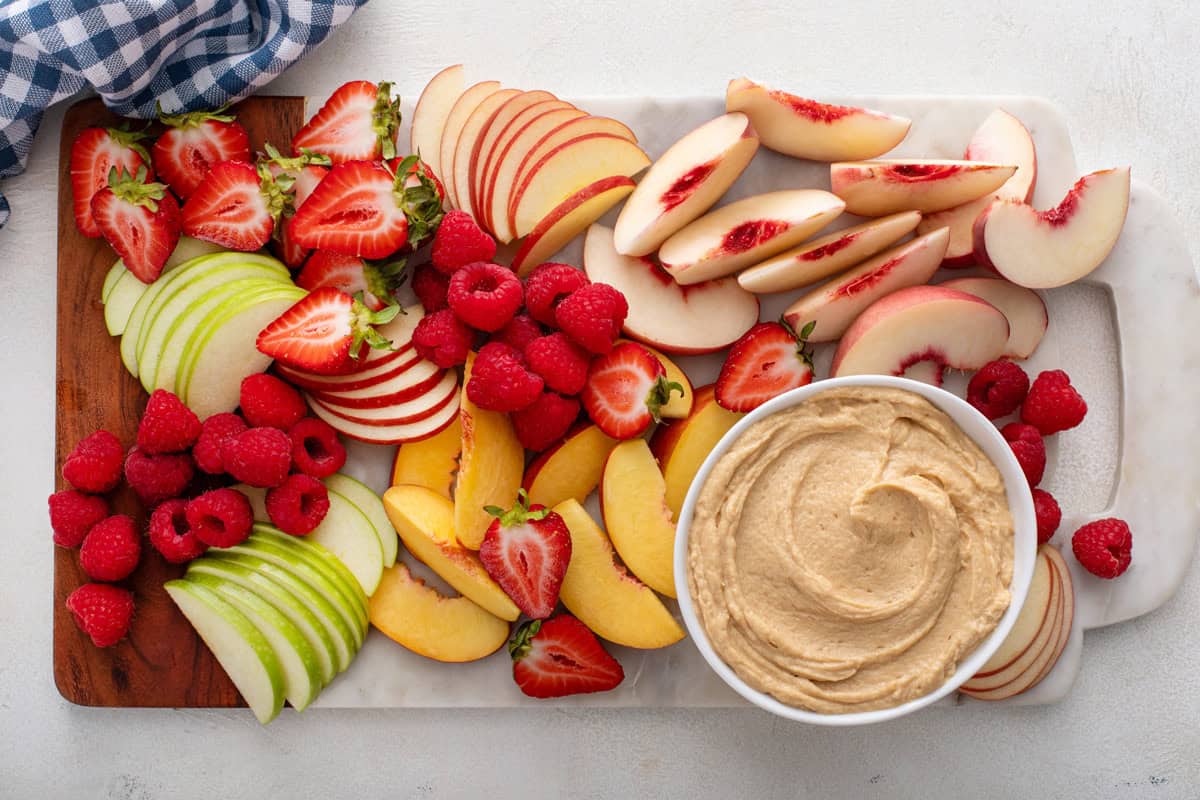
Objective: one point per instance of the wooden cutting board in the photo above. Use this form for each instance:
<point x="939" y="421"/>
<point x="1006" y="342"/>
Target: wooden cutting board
<point x="162" y="662"/>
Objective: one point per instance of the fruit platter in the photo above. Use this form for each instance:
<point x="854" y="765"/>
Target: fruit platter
<point x="370" y="403"/>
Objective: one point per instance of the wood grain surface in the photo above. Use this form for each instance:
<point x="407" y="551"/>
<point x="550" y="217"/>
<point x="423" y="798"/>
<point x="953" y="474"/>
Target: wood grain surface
<point x="162" y="662"/>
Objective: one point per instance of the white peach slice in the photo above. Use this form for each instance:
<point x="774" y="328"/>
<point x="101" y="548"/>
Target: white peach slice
<point x="685" y="182"/>
<point x="833" y="305"/>
<point x="876" y="188"/>
<point x="1025" y="309"/>
<point x="803" y="128"/>
<point x="429" y="116"/>
<point x="565" y="170"/>
<point x="827" y="255"/>
<point x="459" y="173"/>
<point x="455" y="120"/>
<point x="745" y="232"/>
<point x="700" y="318"/>
<point x="1001" y="139"/>
<point x="1044" y="249"/>
<point x="568" y="220"/>
<point x="921" y="323"/>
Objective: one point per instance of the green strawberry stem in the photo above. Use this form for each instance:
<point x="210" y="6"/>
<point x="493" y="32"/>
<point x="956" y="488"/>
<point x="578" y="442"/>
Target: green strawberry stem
<point x="362" y="324"/>
<point x="192" y="119"/>
<point x="519" y="514"/>
<point x="660" y="395"/>
<point x="385" y="119"/>
<point x="134" y="189"/>
<point x="522" y="642"/>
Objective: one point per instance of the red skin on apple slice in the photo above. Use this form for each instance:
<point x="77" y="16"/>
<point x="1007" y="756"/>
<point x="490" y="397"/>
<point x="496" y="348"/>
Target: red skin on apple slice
<point x="495" y="126"/>
<point x="417" y="380"/>
<point x="393" y="434"/>
<point x="429" y="116"/>
<point x="402" y="413"/>
<point x="571" y="217"/>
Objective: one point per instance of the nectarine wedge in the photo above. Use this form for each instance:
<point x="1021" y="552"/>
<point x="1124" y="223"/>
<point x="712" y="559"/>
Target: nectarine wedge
<point x="431" y="462"/>
<point x="570" y="469"/>
<point x="681" y="446"/>
<point x="633" y="502"/>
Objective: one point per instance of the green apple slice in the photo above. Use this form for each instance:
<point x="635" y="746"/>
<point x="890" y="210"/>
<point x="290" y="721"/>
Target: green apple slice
<point x="169" y="335"/>
<point x="298" y="565"/>
<point x="298" y="660"/>
<point x="324" y="560"/>
<point x="365" y="499"/>
<point x="344" y="639"/>
<point x="110" y="279"/>
<point x="217" y="359"/>
<point x="121" y="299"/>
<point x="284" y="601"/>
<point x="188" y="248"/>
<point x="351" y="537"/>
<point x="241" y="649"/>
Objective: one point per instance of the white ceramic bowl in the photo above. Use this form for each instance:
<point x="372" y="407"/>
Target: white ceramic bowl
<point x="1020" y="502"/>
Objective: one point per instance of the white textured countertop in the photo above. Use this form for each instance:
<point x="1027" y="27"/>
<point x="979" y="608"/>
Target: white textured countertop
<point x="1128" y="87"/>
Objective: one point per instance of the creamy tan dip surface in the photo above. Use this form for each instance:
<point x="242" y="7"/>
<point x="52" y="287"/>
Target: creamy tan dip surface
<point x="846" y="554"/>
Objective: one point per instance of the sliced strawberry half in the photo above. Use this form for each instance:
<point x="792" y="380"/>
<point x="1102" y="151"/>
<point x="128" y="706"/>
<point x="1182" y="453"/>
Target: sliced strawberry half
<point x="358" y="122"/>
<point x="139" y="219"/>
<point x="560" y="656"/>
<point x="352" y="275"/>
<point x="767" y="361"/>
<point x="625" y="390"/>
<point x="296" y="177"/>
<point x="323" y="331"/>
<point x="94" y="153"/>
<point x="236" y="207"/>
<point x="526" y="550"/>
<point x="194" y="143"/>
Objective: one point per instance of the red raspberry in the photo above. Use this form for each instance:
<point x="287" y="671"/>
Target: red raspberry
<point x="258" y="457"/>
<point x="158" y="478"/>
<point x="299" y="505"/>
<point x="167" y="425"/>
<point x="547" y="285"/>
<point x="546" y="421"/>
<point x="443" y="339"/>
<point x="460" y="241"/>
<point x="1053" y="405"/>
<point x="94" y="465"/>
<point x="72" y="515"/>
<point x="111" y="549"/>
<point x="485" y="296"/>
<point x="499" y="380"/>
<point x="170" y="534"/>
<point x="268" y="402"/>
<point x="562" y="364"/>
<point x="430" y="287"/>
<point x="213" y="433"/>
<point x="592" y="316"/>
<point x="102" y="612"/>
<point x="1028" y="447"/>
<point x="519" y="332"/>
<point x="316" y="449"/>
<point x="1048" y="515"/>
<point x="220" y="518"/>
<point x="998" y="388"/>
<point x="1104" y="547"/>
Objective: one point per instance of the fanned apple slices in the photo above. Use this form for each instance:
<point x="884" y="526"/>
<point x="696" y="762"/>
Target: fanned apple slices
<point x="523" y="163"/>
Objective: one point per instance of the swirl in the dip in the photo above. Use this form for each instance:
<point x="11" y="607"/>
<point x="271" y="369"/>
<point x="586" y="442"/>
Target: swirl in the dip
<point x="847" y="553"/>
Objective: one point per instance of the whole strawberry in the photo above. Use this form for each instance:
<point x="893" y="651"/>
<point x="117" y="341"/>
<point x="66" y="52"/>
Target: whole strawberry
<point x="94" y="466"/>
<point x="460" y="241"/>
<point x="500" y="381"/>
<point x="1028" y="447"/>
<point x="111" y="549"/>
<point x="1052" y="404"/>
<point x="167" y="425"/>
<point x="102" y="611"/>
<point x="998" y="388"/>
<point x="526" y="550"/>
<point x="1104" y="547"/>
<point x="140" y="220"/>
<point x="559" y="657"/>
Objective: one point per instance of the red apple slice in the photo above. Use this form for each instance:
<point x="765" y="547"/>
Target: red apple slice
<point x="875" y="188"/>
<point x="700" y="318"/>
<point x="468" y="138"/>
<point x="455" y="120"/>
<point x="685" y="182"/>
<point x="1001" y="139"/>
<point x="744" y="232"/>
<point x="381" y="371"/>
<point x="509" y="154"/>
<point x="429" y="116"/>
<point x="492" y="130"/>
<point x="375" y="363"/>
<point x="1044" y="249"/>
<point x="828" y="255"/>
<point x="1025" y="309"/>
<point x="832" y="306"/>
<point x="404" y="412"/>
<point x="565" y="170"/>
<point x="503" y="129"/>
<point x="803" y="128"/>
<point x="392" y="434"/>
<point x="921" y="323"/>
<point x="1064" y="573"/>
<point x="568" y="220"/>
<point x="417" y="379"/>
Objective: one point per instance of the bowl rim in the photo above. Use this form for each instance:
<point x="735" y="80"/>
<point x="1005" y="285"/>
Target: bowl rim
<point x="1020" y="503"/>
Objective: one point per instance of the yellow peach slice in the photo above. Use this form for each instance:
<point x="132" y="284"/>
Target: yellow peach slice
<point x="425" y="521"/>
<point x="570" y="469"/>
<point x="427" y="622"/>
<point x="682" y="446"/>
<point x="633" y="501"/>
<point x="680" y="405"/>
<point x="489" y="469"/>
<point x="430" y="462"/>
<point x="604" y="596"/>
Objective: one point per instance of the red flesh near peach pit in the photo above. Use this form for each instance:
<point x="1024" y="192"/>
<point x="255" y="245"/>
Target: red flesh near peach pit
<point x="928" y="354"/>
<point x="868" y="280"/>
<point x="921" y="172"/>
<point x="820" y="112"/>
<point x="750" y="234"/>
<point x="1062" y="213"/>
<point x="686" y="185"/>
<point x="824" y="251"/>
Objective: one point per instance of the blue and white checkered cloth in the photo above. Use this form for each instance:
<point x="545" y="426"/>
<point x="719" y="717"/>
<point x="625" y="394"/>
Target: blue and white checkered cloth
<point x="186" y="54"/>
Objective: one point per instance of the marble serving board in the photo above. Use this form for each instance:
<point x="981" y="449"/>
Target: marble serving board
<point x="1118" y="333"/>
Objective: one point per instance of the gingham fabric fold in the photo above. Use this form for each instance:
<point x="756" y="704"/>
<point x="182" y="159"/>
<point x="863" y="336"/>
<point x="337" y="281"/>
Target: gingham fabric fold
<point x="187" y="54"/>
